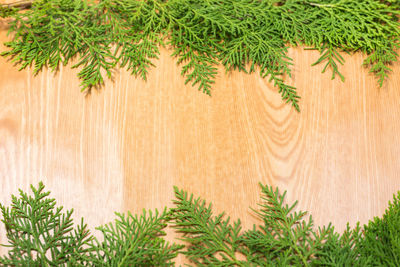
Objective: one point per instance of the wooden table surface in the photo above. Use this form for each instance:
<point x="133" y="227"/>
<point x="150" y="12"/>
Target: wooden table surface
<point x="125" y="146"/>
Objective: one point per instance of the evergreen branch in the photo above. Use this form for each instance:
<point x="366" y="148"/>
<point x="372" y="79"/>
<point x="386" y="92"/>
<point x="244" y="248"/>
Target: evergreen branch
<point x="329" y="54"/>
<point x="134" y="241"/>
<point x="381" y="238"/>
<point x="283" y="231"/>
<point x="234" y="33"/>
<point x="213" y="240"/>
<point x="193" y="45"/>
<point x="40" y="234"/>
<point x="381" y="58"/>
<point x="343" y="250"/>
<point x="139" y="36"/>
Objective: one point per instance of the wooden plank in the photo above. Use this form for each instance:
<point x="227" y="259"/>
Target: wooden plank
<point x="125" y="146"/>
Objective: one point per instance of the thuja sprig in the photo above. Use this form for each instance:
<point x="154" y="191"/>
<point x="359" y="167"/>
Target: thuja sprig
<point x="382" y="236"/>
<point x="285" y="236"/>
<point x="40" y="234"/>
<point x="133" y="241"/>
<point x="239" y="34"/>
<point x="213" y="240"/>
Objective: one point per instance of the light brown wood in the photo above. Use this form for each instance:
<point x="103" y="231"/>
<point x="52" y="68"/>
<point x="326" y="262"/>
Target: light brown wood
<point x="125" y="146"/>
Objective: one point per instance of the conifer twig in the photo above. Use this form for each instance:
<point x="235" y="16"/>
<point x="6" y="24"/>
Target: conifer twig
<point x="39" y="233"/>
<point x="242" y="35"/>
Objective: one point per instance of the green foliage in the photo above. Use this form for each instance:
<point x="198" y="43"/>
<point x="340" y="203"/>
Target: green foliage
<point x="382" y="236"/>
<point x="7" y="11"/>
<point x="53" y="32"/>
<point x="39" y="234"/>
<point x="134" y="241"/>
<point x="343" y="250"/>
<point x="286" y="237"/>
<point x="213" y="241"/>
<point x="239" y="34"/>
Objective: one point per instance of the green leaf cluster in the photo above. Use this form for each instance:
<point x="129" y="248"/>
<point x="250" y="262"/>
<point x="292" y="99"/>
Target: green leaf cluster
<point x="382" y="236"/>
<point x="7" y="11"/>
<point x="40" y="234"/>
<point x="246" y="35"/>
<point x="285" y="237"/>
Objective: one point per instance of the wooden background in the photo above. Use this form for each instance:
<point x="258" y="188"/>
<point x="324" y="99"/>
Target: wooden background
<point x="125" y="146"/>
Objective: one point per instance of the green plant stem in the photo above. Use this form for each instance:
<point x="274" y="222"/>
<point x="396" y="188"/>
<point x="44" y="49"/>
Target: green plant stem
<point x="294" y="242"/>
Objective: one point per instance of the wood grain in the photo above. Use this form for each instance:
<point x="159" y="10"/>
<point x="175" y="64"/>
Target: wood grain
<point x="125" y="146"/>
